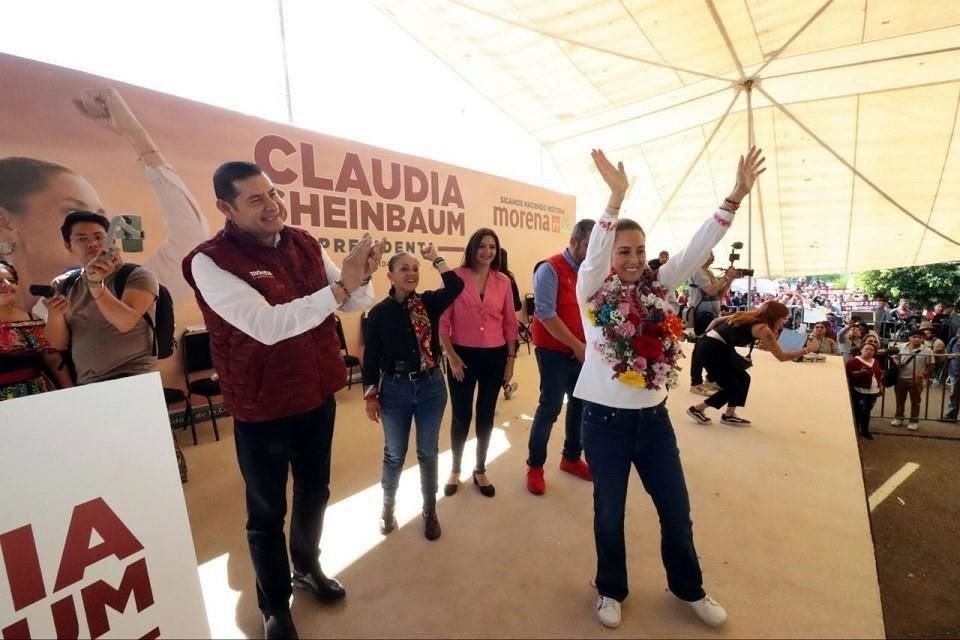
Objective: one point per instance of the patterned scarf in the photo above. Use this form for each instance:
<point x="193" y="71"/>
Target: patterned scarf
<point x="423" y="330"/>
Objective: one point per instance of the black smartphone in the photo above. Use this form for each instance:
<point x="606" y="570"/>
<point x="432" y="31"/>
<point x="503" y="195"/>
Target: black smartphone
<point x="42" y="290"/>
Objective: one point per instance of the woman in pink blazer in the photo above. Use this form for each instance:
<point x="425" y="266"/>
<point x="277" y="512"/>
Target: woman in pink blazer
<point x="478" y="333"/>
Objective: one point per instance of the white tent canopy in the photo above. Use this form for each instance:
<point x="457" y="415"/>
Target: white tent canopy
<point x="854" y="102"/>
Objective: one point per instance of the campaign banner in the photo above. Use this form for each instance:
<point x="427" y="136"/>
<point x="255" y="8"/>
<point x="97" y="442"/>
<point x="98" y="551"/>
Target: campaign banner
<point x="94" y="536"/>
<point x="334" y="188"/>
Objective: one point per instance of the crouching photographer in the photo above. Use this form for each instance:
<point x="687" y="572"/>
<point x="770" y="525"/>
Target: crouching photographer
<point x="719" y="355"/>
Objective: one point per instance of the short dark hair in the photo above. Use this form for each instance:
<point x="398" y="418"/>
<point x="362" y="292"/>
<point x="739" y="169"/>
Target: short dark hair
<point x="227" y="173"/>
<point x="75" y="217"/>
<point x="916" y="332"/>
<point x="473" y="245"/>
<point x="9" y="267"/>
<point x="581" y="230"/>
<point x="20" y="177"/>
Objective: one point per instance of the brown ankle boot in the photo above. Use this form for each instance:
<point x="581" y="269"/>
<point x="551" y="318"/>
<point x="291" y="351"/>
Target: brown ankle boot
<point x="431" y="525"/>
<point x="387" y="520"/>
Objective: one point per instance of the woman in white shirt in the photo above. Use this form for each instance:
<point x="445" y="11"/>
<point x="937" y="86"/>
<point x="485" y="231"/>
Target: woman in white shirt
<point x="633" y="340"/>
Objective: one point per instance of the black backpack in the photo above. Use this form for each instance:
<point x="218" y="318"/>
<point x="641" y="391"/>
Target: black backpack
<point x="164" y="343"/>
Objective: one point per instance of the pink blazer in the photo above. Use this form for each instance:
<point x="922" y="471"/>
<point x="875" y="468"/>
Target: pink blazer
<point x="472" y="322"/>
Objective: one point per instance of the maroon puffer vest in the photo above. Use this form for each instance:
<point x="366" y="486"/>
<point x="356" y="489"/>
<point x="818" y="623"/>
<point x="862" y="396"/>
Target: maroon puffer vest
<point x="296" y="375"/>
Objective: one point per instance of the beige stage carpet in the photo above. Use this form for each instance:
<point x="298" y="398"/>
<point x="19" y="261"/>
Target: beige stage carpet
<point x="779" y="514"/>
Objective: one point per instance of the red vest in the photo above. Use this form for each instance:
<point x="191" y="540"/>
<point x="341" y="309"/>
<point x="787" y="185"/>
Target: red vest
<point x="567" y="308"/>
<point x="295" y="375"/>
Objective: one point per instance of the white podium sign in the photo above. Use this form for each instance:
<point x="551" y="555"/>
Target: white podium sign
<point x="94" y="536"/>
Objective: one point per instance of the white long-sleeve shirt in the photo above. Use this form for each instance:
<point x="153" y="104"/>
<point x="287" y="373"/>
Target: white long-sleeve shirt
<point x="246" y="309"/>
<point x="596" y="383"/>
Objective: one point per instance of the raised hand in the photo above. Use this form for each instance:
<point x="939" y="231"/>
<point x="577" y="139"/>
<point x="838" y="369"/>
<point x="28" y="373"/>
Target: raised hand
<point x="615" y="176"/>
<point x="356" y="263"/>
<point x="107" y="108"/>
<point x="429" y="252"/>
<point x="102" y="266"/>
<point x="748" y="169"/>
<point x="373" y="258"/>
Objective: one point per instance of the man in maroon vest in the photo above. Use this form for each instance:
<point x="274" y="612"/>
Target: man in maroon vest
<point x="268" y="292"/>
<point x="558" y="336"/>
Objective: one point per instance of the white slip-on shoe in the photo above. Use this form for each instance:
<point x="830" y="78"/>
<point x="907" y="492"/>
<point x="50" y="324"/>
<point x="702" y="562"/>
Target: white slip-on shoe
<point x="897" y="422"/>
<point x="913" y="426"/>
<point x="608" y="612"/>
<point x="709" y="610"/>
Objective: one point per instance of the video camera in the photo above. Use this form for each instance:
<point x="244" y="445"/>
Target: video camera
<point x="734" y="256"/>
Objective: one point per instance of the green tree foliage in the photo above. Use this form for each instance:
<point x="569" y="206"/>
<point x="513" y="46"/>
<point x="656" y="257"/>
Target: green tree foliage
<point x="924" y="286"/>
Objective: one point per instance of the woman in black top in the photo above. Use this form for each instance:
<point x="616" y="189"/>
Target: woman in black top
<point x="402" y="379"/>
<point x="728" y="368"/>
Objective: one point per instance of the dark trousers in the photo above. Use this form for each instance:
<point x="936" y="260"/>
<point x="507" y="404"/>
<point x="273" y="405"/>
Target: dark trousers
<point x="725" y="365"/>
<point x="558" y="377"/>
<point x="696" y="364"/>
<point x="483" y="373"/>
<point x="613" y="439"/>
<point x="862" y="408"/>
<point x="266" y="451"/>
<point x="913" y="388"/>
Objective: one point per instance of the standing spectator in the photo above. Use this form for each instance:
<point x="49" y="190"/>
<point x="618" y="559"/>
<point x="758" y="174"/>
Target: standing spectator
<point x="865" y="378"/>
<point x="105" y="330"/>
<point x="560" y="345"/>
<point x="479" y="336"/>
<point x="953" y="371"/>
<point x="820" y="342"/>
<point x="27" y="361"/>
<point x="268" y="293"/>
<point x="706" y="292"/>
<point x="936" y="345"/>
<point x="402" y="378"/>
<point x="916" y="364"/>
<point x="850" y="337"/>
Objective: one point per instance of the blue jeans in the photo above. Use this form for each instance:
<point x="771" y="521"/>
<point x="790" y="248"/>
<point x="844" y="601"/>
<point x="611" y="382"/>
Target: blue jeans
<point x="401" y="402"/>
<point x="613" y="439"/>
<point x="558" y="376"/>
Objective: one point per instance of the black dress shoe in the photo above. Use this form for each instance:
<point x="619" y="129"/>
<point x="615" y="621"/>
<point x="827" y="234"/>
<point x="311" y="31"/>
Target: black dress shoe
<point x="324" y="588"/>
<point x="431" y="524"/>
<point x="450" y="489"/>
<point x="487" y="490"/>
<point x="279" y="626"/>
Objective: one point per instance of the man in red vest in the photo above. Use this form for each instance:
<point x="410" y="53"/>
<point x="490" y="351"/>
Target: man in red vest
<point x="268" y="293"/>
<point x="558" y="336"/>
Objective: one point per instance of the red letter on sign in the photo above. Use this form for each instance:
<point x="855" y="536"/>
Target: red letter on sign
<point x="261" y="155"/>
<point x="99" y="595"/>
<point x="88" y="517"/>
<point x="23" y="567"/>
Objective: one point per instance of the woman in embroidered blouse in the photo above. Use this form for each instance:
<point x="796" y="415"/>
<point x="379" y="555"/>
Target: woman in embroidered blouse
<point x="402" y="378"/>
<point x="24" y="351"/>
<point x="633" y="343"/>
<point x="479" y="337"/>
<point x="866" y="381"/>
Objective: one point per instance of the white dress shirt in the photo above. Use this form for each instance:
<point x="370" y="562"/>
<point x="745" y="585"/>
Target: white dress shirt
<point x="596" y="383"/>
<point x="246" y="309"/>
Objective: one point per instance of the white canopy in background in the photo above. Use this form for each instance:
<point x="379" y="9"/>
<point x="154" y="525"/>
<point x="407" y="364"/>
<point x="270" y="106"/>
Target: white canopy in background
<point x="854" y="102"/>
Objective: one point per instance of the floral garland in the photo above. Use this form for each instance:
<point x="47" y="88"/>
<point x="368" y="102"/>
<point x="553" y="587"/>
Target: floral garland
<point x="641" y="333"/>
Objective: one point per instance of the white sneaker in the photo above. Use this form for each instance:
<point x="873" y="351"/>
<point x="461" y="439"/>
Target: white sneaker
<point x="608" y="611"/>
<point x="710" y="611"/>
<point x="896" y="422"/>
<point x="913" y="426"/>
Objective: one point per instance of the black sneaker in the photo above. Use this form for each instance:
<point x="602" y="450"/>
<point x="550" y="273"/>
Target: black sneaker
<point x="736" y="421"/>
<point x="698" y="415"/>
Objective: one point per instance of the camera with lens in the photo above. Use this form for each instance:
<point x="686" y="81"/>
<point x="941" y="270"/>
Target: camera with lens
<point x="734" y="256"/>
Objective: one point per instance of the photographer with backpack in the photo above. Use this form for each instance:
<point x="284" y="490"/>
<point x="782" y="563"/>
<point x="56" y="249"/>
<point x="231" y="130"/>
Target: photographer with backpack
<point x="106" y="314"/>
